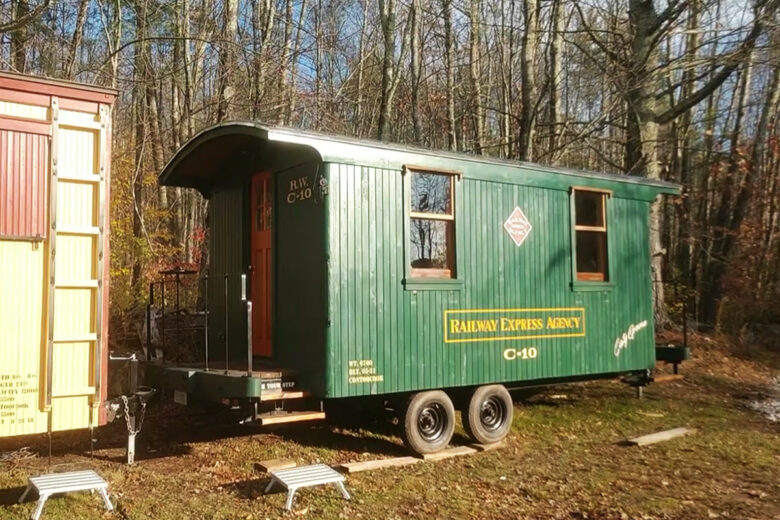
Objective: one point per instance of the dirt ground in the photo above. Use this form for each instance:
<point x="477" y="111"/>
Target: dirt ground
<point x="565" y="459"/>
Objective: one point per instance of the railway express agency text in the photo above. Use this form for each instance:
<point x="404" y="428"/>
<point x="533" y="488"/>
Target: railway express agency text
<point x="514" y="324"/>
<point x="507" y="324"/>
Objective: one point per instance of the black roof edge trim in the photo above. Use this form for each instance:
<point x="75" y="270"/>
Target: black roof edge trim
<point x="205" y="135"/>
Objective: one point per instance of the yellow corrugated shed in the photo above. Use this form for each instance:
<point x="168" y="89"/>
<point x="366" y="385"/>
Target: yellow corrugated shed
<point x="54" y="158"/>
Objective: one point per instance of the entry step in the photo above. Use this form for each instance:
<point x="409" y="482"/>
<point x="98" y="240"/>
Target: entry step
<point x="269" y="418"/>
<point x="278" y="396"/>
<point x="277" y="382"/>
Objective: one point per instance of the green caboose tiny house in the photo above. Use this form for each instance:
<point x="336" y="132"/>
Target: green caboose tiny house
<point x="425" y="277"/>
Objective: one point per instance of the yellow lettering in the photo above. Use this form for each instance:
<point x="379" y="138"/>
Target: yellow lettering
<point x="563" y="322"/>
<point x="464" y="326"/>
<point x="521" y="324"/>
<point x="454" y="326"/>
<point x="508" y="324"/>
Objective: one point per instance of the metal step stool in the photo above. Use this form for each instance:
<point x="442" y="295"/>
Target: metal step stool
<point x="48" y="485"/>
<point x="315" y="475"/>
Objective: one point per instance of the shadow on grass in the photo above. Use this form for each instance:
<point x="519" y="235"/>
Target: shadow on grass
<point x="163" y="435"/>
<point x="10" y="496"/>
<point x="170" y="432"/>
<point x="369" y="437"/>
<point x="252" y="488"/>
<point x="738" y="389"/>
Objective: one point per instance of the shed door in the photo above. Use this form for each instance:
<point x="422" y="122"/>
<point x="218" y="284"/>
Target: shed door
<point x="262" y="214"/>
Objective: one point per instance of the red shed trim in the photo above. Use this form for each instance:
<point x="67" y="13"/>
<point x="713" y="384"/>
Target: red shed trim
<point x="25" y="98"/>
<point x="51" y="87"/>
<point x="29" y="126"/>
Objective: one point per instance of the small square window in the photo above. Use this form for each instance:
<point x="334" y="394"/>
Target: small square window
<point x="590" y="228"/>
<point x="431" y="225"/>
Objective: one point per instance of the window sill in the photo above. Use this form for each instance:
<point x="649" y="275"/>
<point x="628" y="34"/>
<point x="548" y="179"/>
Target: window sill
<point x="581" y="286"/>
<point x="432" y="284"/>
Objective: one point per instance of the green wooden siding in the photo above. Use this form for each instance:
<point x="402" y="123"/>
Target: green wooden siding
<point x="300" y="276"/>
<point x="399" y="333"/>
<point x="227" y="236"/>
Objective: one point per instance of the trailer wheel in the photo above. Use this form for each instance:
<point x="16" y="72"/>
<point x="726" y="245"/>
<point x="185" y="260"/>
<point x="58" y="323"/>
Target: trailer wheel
<point x="488" y="417"/>
<point x="429" y="422"/>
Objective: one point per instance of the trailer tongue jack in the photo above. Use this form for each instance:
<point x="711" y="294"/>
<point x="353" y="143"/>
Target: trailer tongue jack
<point x="131" y="406"/>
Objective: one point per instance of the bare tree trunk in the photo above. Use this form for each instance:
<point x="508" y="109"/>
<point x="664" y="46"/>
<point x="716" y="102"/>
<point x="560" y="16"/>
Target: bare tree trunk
<point x="387" y="19"/>
<point x="19" y="36"/>
<point x="186" y="68"/>
<point x="113" y="39"/>
<point x="733" y="206"/>
<point x="197" y="60"/>
<point x="478" y="111"/>
<point x="703" y="188"/>
<point x="155" y="135"/>
<point x="642" y="138"/>
<point x="449" y="45"/>
<point x="75" y="42"/>
<point x="358" y="121"/>
<point x="139" y="114"/>
<point x="686" y="167"/>
<point x="227" y="60"/>
<point x="285" y="62"/>
<point x="416" y="68"/>
<point x="505" y="38"/>
<point x="294" y="74"/>
<point x="556" y="76"/>
<point x="263" y="21"/>
<point x="390" y="68"/>
<point x="177" y="128"/>
<point x="318" y="42"/>
<point x="528" y="71"/>
<point x="771" y="214"/>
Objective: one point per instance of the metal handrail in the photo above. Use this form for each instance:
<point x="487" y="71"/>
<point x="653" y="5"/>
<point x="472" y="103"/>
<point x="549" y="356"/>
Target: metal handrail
<point x="205" y="280"/>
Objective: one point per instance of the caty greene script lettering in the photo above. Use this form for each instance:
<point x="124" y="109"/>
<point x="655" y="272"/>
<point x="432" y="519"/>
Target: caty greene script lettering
<point x="514" y="324"/>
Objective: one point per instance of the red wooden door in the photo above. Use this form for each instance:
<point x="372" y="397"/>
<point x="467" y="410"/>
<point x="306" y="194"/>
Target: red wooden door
<point x="262" y="215"/>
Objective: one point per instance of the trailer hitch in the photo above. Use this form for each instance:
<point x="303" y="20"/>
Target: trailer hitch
<point x="131" y="406"/>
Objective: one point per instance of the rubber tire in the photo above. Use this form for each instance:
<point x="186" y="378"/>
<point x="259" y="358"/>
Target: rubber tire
<point x="413" y="437"/>
<point x="472" y="422"/>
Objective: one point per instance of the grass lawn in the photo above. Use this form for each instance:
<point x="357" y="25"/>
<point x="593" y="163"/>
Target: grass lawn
<point x="564" y="459"/>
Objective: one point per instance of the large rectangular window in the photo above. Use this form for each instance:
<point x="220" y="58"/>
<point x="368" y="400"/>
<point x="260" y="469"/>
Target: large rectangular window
<point x="432" y="224"/>
<point x="590" y="229"/>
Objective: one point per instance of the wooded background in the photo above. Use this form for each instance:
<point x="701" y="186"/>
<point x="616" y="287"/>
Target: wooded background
<point x="681" y="90"/>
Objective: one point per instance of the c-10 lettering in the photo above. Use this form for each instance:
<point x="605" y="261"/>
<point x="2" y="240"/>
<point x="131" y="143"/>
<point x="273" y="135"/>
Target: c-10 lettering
<point x="512" y="354"/>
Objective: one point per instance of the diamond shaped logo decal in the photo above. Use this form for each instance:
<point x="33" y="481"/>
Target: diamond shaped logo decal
<point x="518" y="227"/>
